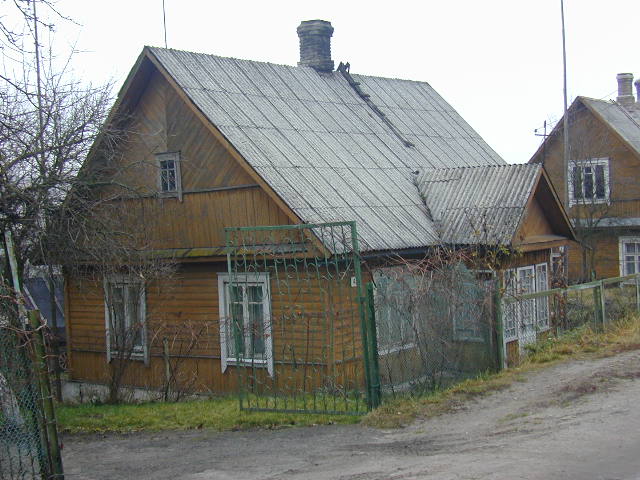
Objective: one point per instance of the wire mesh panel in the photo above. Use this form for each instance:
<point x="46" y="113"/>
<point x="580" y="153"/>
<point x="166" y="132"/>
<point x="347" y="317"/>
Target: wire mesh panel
<point x="22" y="450"/>
<point x="291" y="323"/>
<point x="434" y="326"/>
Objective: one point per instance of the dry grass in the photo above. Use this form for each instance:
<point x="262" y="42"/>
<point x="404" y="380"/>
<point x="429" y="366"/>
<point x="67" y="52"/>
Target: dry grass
<point x="621" y="336"/>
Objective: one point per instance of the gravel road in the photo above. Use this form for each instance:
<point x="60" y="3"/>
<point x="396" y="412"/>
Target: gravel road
<point x="578" y="420"/>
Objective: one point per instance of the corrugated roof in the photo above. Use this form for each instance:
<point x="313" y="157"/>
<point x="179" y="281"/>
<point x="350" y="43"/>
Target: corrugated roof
<point x="625" y="122"/>
<point x="481" y="204"/>
<point x="322" y="148"/>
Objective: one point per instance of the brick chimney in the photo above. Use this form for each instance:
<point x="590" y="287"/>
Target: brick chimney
<point x="315" y="44"/>
<point x="625" y="90"/>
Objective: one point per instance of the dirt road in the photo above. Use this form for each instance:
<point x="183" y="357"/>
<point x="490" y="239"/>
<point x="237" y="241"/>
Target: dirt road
<point x="578" y="420"/>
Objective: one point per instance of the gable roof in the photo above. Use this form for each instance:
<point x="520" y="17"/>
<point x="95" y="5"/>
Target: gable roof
<point x="321" y="147"/>
<point x="623" y="122"/>
<point x="626" y="123"/>
<point x="483" y="204"/>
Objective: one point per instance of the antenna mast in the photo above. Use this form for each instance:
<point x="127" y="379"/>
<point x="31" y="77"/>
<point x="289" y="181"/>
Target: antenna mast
<point x="164" y="23"/>
<point x="565" y="120"/>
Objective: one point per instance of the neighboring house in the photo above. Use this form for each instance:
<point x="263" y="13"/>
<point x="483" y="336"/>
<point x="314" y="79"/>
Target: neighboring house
<point x="38" y="297"/>
<point x="221" y="142"/>
<point x="603" y="184"/>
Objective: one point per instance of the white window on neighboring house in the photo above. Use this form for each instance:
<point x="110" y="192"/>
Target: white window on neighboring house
<point x="558" y="266"/>
<point x="523" y="318"/>
<point x="169" y="180"/>
<point x="510" y="310"/>
<point x="125" y="317"/>
<point x="629" y="255"/>
<point x="589" y="181"/>
<point x="542" y="304"/>
<point x="245" y="320"/>
<point x="394" y="318"/>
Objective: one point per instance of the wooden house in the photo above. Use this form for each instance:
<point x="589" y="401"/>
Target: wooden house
<point x="218" y="142"/>
<point x="602" y="185"/>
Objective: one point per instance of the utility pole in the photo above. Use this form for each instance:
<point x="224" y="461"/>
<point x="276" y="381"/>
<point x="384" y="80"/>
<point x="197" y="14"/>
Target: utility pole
<point x="565" y="120"/>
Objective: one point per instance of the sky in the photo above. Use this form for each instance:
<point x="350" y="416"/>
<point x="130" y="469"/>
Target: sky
<point x="497" y="62"/>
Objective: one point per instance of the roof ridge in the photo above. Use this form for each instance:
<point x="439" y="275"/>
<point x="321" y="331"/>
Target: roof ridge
<point x="263" y="62"/>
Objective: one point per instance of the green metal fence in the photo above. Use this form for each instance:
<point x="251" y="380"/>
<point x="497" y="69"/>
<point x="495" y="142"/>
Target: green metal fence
<point x="293" y="320"/>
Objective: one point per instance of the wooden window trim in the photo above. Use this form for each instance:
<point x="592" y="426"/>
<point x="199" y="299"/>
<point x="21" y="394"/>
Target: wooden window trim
<point x="176" y="158"/>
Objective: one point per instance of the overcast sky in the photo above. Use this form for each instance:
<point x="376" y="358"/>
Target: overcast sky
<point x="497" y="62"/>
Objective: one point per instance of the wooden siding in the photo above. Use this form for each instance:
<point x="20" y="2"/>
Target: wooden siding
<point x="200" y="218"/>
<point x="315" y="333"/>
<point x="162" y="122"/>
<point x="590" y="138"/>
<point x="535" y="223"/>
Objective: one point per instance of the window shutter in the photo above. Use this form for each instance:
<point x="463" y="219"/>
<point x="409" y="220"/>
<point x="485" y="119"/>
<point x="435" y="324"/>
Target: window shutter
<point x="577" y="183"/>
<point x="600" y="181"/>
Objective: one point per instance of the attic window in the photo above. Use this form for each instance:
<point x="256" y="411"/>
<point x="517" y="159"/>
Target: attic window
<point x="589" y="181"/>
<point x="169" y="181"/>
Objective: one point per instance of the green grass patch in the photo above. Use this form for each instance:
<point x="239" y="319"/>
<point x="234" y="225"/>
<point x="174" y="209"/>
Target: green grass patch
<point x="216" y="414"/>
<point x="621" y="336"/>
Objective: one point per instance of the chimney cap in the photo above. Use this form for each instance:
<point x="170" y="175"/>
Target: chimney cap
<point x="625" y="90"/>
<point x="315" y="27"/>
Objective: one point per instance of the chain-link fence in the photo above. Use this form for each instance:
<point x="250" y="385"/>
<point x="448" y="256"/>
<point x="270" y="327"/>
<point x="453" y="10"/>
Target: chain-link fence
<point x="434" y="325"/>
<point x="28" y="437"/>
<point x="22" y="449"/>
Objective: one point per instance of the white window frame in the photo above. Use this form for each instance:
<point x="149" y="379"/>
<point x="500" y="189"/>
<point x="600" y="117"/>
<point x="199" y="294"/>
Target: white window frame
<point x="510" y="327"/>
<point x="261" y="278"/>
<point x="139" y="352"/>
<point x="512" y="287"/>
<point x="590" y="162"/>
<point x="387" y="347"/>
<point x="622" y="241"/>
<point x="175" y="158"/>
<point x="542" y="303"/>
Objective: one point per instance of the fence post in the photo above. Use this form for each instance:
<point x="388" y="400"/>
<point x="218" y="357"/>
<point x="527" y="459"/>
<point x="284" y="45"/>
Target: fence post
<point x="376" y="390"/>
<point x="637" y="292"/>
<point x="603" y="313"/>
<point x="167" y="368"/>
<point x="497" y="301"/>
<point x="53" y="444"/>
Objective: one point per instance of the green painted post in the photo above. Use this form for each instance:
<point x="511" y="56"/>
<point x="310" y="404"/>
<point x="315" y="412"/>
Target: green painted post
<point x="497" y="301"/>
<point x="376" y="388"/>
<point x="53" y="444"/>
<point x="366" y="354"/>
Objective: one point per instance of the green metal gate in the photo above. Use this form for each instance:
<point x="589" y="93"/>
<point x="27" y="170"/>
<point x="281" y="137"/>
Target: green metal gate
<point x="295" y="328"/>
